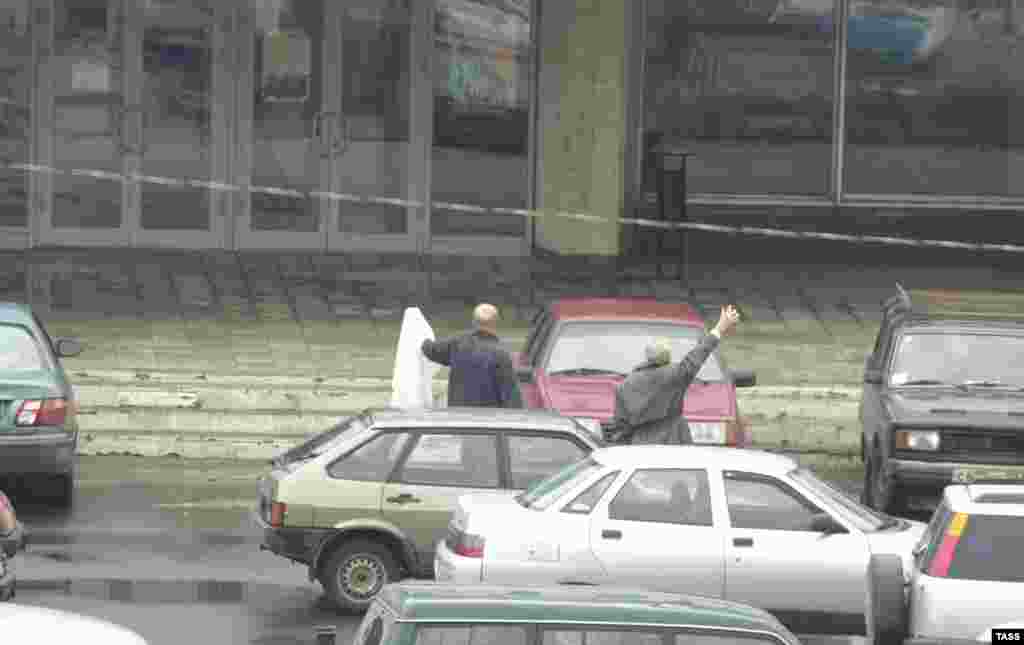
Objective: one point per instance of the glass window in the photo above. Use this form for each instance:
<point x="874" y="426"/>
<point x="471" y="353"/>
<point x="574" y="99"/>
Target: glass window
<point x="747" y="88"/>
<point x="467" y="460"/>
<point x="532" y="458"/>
<point x="376" y="626"/>
<point x="723" y="639"/>
<point x="989" y="550"/>
<point x="933" y="92"/>
<point x="598" y="636"/>
<point x="619" y="347"/>
<point x="17" y="73"/>
<point x="471" y="635"/>
<point x="958" y="358"/>
<point x="664" y="497"/>
<point x="932" y="536"/>
<point x="373" y="461"/>
<point x="588" y="499"/>
<point x="546" y="492"/>
<point x="760" y="503"/>
<point x="19" y="350"/>
<point x="483" y="87"/>
<point x="862" y="516"/>
<point x="322" y="442"/>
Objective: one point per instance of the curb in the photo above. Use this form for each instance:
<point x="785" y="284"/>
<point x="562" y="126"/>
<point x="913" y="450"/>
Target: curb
<point x="47" y="537"/>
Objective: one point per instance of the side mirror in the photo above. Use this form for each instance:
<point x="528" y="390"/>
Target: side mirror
<point x="68" y="347"/>
<point x="525" y="374"/>
<point x="824" y="523"/>
<point x="873" y="376"/>
<point x="744" y="378"/>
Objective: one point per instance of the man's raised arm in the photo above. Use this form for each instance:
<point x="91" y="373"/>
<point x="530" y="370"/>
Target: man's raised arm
<point x="691" y="364"/>
<point x="439" y="351"/>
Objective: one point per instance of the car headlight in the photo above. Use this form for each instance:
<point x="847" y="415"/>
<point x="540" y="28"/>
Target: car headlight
<point x="917" y="440"/>
<point x="592" y="425"/>
<point x="712" y="433"/>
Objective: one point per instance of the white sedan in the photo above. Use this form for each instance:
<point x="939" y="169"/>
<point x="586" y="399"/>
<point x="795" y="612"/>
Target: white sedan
<point x="743" y="525"/>
<point x="30" y="624"/>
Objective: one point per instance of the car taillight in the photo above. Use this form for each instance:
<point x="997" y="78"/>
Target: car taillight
<point x="466" y="544"/>
<point x="944" y="556"/>
<point x="277" y="512"/>
<point x="45" y="412"/>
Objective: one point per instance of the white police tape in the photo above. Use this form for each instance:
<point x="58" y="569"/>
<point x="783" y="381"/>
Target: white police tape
<point x="522" y="212"/>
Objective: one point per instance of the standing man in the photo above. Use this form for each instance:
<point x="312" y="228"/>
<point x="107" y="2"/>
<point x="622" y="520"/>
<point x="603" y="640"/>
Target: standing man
<point x="649" y="403"/>
<point x="481" y="372"/>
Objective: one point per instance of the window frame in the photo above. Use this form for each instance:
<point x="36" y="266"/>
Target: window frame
<point x="506" y="436"/>
<point x="633" y="473"/>
<point x="540" y="319"/>
<point x="772" y="481"/>
<point x="614" y="475"/>
<point x="377" y="435"/>
<point x="933" y="535"/>
<point x="542" y="343"/>
<point x="47" y="357"/>
<point x="417" y="436"/>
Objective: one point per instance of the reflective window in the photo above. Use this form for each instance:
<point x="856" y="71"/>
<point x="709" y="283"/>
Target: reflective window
<point x="664" y="497"/>
<point x="471" y="635"/>
<point x="483" y="86"/>
<point x="747" y="88"/>
<point x="16" y="80"/>
<point x="723" y="639"/>
<point x="959" y="358"/>
<point x="619" y="348"/>
<point x="597" y="636"/>
<point x="466" y="460"/>
<point x="547" y="491"/>
<point x="373" y="461"/>
<point x="19" y="350"/>
<point x="588" y="499"/>
<point x="989" y="549"/>
<point x="933" y="92"/>
<point x="759" y="503"/>
<point x="532" y="458"/>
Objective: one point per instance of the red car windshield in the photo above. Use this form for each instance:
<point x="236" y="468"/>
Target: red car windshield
<point x="619" y="347"/>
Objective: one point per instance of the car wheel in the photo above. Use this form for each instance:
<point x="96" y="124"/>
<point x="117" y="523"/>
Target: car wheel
<point x="886" y="607"/>
<point x="885" y="494"/>
<point x="356" y="572"/>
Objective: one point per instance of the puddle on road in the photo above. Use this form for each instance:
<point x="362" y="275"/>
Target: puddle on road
<point x="161" y="592"/>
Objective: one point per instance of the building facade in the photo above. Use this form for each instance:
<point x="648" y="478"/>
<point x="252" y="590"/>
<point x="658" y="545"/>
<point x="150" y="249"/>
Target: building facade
<point x="464" y="126"/>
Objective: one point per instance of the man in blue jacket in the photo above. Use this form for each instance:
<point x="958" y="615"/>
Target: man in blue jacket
<point x="481" y="372"/>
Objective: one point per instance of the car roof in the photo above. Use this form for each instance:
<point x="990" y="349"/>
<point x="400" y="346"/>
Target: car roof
<point x="625" y="309"/>
<point x="690" y="456"/>
<point x="432" y="601"/>
<point x="472" y="417"/>
<point x="16" y="313"/>
<point x="987" y="499"/>
<point x="953" y="325"/>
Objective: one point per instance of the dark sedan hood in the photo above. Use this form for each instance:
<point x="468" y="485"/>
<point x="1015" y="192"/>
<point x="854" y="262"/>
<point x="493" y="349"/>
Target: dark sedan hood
<point x="950" y="407"/>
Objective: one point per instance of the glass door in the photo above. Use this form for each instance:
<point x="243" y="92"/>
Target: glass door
<point x="480" y="153"/>
<point x="16" y="97"/>
<point x="283" y="147"/>
<point x="181" y="85"/>
<point x="376" y="163"/>
<point x="83" y="138"/>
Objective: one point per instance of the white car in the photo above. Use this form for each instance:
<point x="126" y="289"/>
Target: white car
<point x="24" y="624"/>
<point x="968" y="574"/>
<point x="743" y="525"/>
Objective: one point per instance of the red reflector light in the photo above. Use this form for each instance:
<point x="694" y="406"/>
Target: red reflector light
<point x="277" y="513"/>
<point x="467" y="545"/>
<point x="44" y="412"/>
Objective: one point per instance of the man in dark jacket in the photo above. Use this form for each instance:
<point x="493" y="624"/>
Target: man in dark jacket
<point x="481" y="372"/>
<point x="649" y="403"/>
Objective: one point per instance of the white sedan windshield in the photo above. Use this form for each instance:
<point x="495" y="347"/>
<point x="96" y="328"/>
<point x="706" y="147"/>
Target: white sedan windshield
<point x="619" y="347"/>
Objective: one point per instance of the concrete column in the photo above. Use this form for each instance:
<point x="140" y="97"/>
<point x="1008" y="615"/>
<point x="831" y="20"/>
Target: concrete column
<point x="582" y="123"/>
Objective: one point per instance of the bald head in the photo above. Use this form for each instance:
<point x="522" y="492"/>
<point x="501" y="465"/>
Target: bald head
<point x="485" y="317"/>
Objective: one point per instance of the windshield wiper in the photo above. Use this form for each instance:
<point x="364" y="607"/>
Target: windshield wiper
<point x="984" y="383"/>
<point x="585" y="371"/>
<point x="924" y="381"/>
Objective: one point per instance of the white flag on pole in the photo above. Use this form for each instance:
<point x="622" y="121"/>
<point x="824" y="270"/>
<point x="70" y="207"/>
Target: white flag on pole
<point x="411" y="385"/>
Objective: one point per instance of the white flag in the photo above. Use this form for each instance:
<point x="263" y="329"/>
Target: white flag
<point x="411" y="385"/>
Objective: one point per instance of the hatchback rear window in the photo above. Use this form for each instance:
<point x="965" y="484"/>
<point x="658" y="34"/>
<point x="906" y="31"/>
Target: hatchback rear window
<point x="988" y="548"/>
<point x="19" y="350"/>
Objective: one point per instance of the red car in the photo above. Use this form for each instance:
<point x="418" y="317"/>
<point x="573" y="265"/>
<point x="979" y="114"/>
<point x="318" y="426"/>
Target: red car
<point x="579" y="349"/>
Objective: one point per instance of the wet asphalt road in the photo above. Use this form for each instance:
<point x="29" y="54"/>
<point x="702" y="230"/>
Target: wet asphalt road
<point x="141" y="548"/>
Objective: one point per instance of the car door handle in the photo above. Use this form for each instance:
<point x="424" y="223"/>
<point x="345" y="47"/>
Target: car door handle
<point x="743" y="542"/>
<point x="611" y="535"/>
<point x="404" y="498"/>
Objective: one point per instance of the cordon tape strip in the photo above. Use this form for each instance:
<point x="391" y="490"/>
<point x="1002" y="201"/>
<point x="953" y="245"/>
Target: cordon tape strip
<point x="483" y="210"/>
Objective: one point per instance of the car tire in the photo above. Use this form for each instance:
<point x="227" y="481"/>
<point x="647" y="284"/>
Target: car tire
<point x="885" y="494"/>
<point x="356" y="571"/>
<point x="886" y="607"/>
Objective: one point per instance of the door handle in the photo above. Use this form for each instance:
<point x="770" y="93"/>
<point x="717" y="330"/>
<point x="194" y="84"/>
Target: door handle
<point x="611" y="535"/>
<point x="404" y="498"/>
<point x="743" y="542"/>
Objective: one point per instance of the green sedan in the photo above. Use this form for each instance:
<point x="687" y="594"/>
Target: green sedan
<point x="38" y="428"/>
